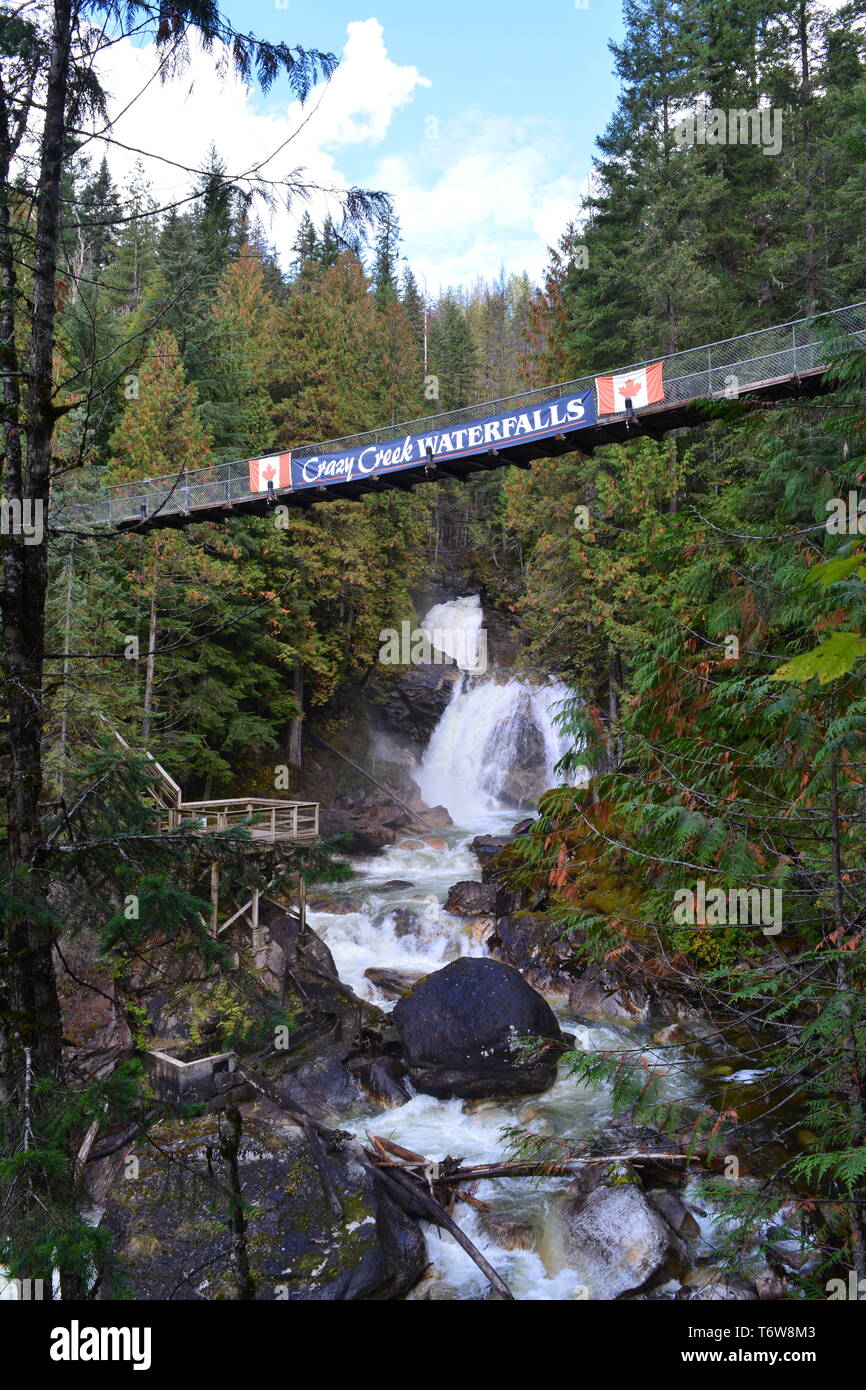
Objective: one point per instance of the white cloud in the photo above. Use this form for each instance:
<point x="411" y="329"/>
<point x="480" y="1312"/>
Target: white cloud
<point x="180" y="118"/>
<point x="488" y="191"/>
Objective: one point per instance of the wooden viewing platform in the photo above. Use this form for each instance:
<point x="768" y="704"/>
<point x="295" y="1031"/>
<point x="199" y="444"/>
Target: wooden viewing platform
<point x="269" y="820"/>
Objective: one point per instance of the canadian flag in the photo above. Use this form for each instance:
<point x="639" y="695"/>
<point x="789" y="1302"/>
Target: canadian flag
<point x="276" y="469"/>
<point x="642" y="386"/>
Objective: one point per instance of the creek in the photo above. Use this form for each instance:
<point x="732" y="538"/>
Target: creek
<point x="472" y="760"/>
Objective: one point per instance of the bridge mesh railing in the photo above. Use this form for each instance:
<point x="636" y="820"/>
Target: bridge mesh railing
<point x="767" y="354"/>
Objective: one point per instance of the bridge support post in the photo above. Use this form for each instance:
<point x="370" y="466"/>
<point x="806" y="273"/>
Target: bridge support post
<point x="259" y="934"/>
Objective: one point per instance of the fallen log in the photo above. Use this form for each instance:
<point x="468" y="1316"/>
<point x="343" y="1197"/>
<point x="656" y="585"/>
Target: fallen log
<point x="530" y="1168"/>
<point x="550" y="1169"/>
<point x="405" y="1186"/>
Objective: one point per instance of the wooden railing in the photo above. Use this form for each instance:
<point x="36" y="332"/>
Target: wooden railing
<point x="267" y="819"/>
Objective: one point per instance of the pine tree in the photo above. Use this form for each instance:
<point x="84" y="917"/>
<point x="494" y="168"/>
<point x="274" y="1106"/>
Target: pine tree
<point x="453" y="357"/>
<point x="305" y="247"/>
<point x="385" y="277"/>
<point x="415" y="308"/>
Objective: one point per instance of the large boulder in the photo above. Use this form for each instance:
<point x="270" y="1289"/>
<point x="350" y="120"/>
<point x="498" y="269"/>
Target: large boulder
<point x="320" y="1227"/>
<point x="372" y="817"/>
<point x="614" y="1239"/>
<point x="460" y="1025"/>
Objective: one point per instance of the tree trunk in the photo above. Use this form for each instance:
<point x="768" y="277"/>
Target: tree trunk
<point x="150" y="671"/>
<point x="31" y="988"/>
<point x="296" y="729"/>
<point x="67" y="665"/>
<point x="33" y="996"/>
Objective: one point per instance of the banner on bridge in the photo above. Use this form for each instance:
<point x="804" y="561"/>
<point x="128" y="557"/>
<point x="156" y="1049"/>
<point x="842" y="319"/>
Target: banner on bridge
<point x="558" y="416"/>
<point x="276" y="469"/>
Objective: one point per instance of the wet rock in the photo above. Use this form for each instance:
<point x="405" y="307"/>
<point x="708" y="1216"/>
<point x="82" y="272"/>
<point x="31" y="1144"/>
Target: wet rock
<point x="459" y="1027"/>
<point x="615" y="1239"/>
<point x="527" y="777"/>
<point x="674" y="1033"/>
<point x="641" y="1139"/>
<point x="329" y="1020"/>
<point x="334" y="906"/>
<point x="484" y="847"/>
<point x="522" y="827"/>
<point x="393" y="983"/>
<point x="509" y="1232"/>
<point x="470" y="899"/>
<point x="173" y="1237"/>
<point x="435" y="842"/>
<point x="404" y="921"/>
<point x="431" y="1287"/>
<point x="534" y="943"/>
<point x="373" y="817"/>
<point x="321" y="1087"/>
<point x="675" y="1213"/>
<point x="479" y="929"/>
<point x="398" y="883"/>
<point x="600" y="994"/>
<point x="381" y="1079"/>
<point x="715" y="1289"/>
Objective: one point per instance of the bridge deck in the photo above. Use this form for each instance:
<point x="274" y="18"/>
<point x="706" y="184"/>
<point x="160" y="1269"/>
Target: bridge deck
<point x="267" y="819"/>
<point x="786" y="360"/>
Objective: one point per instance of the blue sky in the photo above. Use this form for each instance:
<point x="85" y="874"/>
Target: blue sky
<point x="478" y="117"/>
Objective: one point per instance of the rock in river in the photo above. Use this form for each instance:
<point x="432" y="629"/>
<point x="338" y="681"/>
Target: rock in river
<point x="459" y="1027"/>
<point x="469" y="899"/>
<point x="392" y="983"/>
<point x="616" y="1240"/>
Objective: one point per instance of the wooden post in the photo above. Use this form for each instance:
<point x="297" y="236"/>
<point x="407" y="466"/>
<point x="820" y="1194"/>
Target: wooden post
<point x="214" y="898"/>
<point x="302" y="903"/>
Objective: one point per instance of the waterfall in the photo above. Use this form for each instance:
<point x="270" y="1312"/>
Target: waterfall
<point x="455" y="628"/>
<point x="496" y="746"/>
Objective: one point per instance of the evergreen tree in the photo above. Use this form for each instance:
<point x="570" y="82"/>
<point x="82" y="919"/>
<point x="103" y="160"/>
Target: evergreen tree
<point x="453" y="358"/>
<point x="415" y="308"/>
<point x="305" y="247"/>
<point x="385" y="276"/>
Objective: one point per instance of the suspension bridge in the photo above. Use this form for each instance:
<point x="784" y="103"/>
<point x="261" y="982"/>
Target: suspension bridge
<point x="647" y="398"/>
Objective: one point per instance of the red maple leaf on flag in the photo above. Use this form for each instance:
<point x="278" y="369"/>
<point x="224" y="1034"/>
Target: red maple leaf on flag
<point x="269" y="473"/>
<point x="630" y="387"/>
